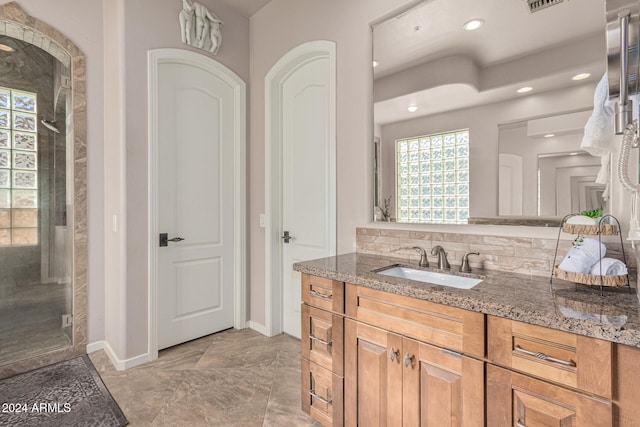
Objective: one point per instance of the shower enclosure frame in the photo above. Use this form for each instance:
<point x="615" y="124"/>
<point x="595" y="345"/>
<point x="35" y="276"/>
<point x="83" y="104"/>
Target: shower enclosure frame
<point x="16" y="23"/>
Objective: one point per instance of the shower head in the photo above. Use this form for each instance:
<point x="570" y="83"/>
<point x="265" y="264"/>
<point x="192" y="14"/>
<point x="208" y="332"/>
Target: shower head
<point x="50" y="124"/>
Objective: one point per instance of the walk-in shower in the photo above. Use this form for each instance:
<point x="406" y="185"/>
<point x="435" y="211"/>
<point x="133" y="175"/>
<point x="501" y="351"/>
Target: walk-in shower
<point x="35" y="255"/>
<point x="43" y="239"/>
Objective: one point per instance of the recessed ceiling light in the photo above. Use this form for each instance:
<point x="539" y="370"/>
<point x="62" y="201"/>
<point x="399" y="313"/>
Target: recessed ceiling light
<point x="550" y="135"/>
<point x="525" y="89"/>
<point x="412" y="108"/>
<point x="375" y="63"/>
<point x="580" y="76"/>
<point x="573" y="154"/>
<point x="5" y="48"/>
<point x="473" y="24"/>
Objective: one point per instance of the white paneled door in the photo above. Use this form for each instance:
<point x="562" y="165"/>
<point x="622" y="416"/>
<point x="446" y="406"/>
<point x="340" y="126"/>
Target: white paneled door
<point x="195" y="193"/>
<point x="308" y="179"/>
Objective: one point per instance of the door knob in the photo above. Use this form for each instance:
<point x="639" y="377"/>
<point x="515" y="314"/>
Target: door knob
<point x="408" y="360"/>
<point x="394" y="354"/>
<point x="164" y="239"/>
<point x="287" y="237"/>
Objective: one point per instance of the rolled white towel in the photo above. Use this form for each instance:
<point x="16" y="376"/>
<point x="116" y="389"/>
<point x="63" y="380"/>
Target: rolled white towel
<point x="610" y="267"/>
<point x="584" y="253"/>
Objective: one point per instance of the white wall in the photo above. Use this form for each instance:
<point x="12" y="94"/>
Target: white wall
<point x="86" y="33"/>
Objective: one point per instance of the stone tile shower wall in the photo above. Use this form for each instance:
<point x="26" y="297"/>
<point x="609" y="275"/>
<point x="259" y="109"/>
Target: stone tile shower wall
<point x="525" y="255"/>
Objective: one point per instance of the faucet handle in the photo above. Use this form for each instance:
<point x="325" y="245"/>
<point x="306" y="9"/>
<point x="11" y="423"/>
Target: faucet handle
<point x="465" y="267"/>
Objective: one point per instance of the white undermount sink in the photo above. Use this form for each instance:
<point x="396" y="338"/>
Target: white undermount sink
<point x="432" y="277"/>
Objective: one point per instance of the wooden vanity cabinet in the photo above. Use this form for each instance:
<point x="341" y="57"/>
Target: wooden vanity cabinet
<point x="394" y="379"/>
<point x="568" y="359"/>
<point x="373" y="358"/>
<point x="322" y="349"/>
<point x="546" y="377"/>
<point x="519" y="400"/>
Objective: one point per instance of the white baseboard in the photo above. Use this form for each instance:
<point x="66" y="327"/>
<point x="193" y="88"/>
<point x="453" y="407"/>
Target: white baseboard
<point x="119" y="364"/>
<point x="95" y="346"/>
<point x="258" y="327"/>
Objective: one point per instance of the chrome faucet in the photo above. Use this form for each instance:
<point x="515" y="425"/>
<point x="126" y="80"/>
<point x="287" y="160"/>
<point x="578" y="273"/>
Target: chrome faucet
<point x="465" y="267"/>
<point x="424" y="262"/>
<point x="443" y="264"/>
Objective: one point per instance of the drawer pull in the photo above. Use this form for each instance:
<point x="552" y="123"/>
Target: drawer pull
<point x="321" y="341"/>
<point x="545" y="357"/>
<point x="313" y="394"/>
<point x="520" y="423"/>
<point x="394" y="354"/>
<point x="319" y="294"/>
<point x="451" y="353"/>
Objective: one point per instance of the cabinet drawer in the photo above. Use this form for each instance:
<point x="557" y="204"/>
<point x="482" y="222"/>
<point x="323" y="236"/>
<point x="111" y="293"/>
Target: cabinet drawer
<point x="323" y="338"/>
<point x="323" y="293"/>
<point x="518" y="400"/>
<point x="449" y="327"/>
<point x="562" y="357"/>
<point x="322" y="394"/>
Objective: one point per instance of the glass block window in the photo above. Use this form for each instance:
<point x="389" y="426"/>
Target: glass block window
<point x="18" y="168"/>
<point x="433" y="178"/>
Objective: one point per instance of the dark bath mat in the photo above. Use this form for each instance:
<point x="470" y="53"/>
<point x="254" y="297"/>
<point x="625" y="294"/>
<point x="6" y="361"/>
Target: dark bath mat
<point x="69" y="393"/>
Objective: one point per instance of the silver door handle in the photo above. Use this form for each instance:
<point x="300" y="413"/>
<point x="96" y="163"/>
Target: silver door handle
<point x="520" y="423"/>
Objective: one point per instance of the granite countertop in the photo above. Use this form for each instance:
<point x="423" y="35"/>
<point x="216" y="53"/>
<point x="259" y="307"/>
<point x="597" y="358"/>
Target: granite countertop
<point x="561" y="305"/>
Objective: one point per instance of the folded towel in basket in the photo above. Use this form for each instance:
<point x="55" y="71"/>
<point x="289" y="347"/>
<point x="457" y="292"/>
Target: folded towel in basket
<point x="610" y="267"/>
<point x="584" y="253"/>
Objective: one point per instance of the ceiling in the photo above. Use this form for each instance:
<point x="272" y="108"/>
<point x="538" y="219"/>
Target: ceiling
<point x="246" y="7"/>
<point x="433" y="30"/>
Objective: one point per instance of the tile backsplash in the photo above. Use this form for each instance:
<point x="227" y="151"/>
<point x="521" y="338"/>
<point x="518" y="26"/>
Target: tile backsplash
<point x="525" y="255"/>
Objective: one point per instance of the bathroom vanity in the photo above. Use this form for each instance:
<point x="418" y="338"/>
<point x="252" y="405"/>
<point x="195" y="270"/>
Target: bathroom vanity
<point x="513" y="350"/>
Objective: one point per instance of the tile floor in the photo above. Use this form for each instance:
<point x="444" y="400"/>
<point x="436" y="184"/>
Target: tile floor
<point x="232" y="378"/>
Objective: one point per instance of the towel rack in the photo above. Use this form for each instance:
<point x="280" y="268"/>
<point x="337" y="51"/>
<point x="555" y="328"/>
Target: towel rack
<point x="607" y="225"/>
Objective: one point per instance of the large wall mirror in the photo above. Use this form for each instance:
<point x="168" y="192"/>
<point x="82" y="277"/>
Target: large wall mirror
<point x="43" y="237"/>
<point x="473" y="123"/>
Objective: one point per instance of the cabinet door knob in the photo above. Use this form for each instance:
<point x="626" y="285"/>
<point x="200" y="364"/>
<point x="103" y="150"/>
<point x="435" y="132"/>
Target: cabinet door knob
<point x="408" y="360"/>
<point x="520" y="423"/>
<point x="394" y="354"/>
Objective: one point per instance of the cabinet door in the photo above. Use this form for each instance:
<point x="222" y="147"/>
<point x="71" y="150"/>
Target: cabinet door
<point x="373" y="376"/>
<point x="322" y="338"/>
<point x="441" y="388"/>
<point x="518" y="400"/>
<point x="322" y="394"/>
